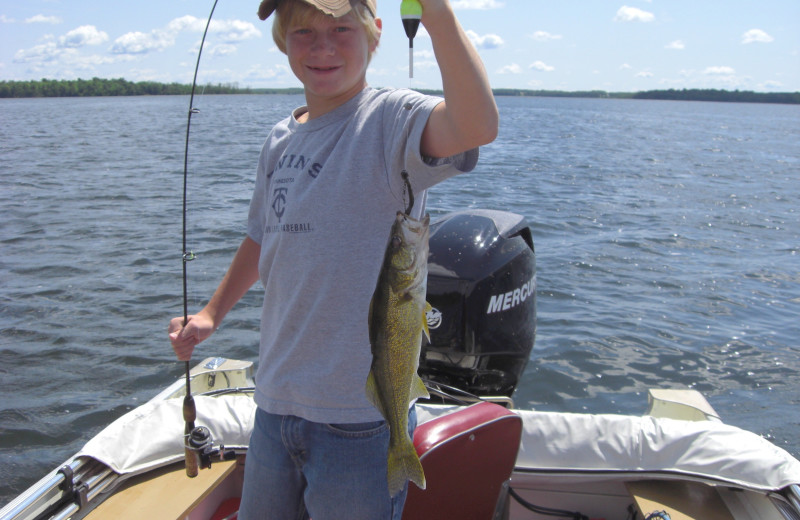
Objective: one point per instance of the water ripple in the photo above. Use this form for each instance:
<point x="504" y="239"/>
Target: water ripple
<point x="666" y="238"/>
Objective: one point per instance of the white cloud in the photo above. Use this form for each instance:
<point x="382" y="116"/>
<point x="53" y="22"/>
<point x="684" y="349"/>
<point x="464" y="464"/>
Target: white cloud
<point x="259" y="72"/>
<point x="43" y="52"/>
<point x="770" y="85"/>
<point x="625" y="66"/>
<point x="543" y="36"/>
<point x="228" y="31"/>
<point x="223" y="49"/>
<point x="63" y="48"/>
<point x="542" y="66"/>
<point x="719" y="71"/>
<point x="6" y="19"/>
<point x="633" y="14"/>
<point x="186" y="23"/>
<point x="52" y="52"/>
<point x="756" y="36"/>
<point x="373" y="72"/>
<point x="231" y="31"/>
<point x="141" y="43"/>
<point x="93" y="60"/>
<point x="644" y="74"/>
<point x="420" y="65"/>
<point x="40" y="18"/>
<point x="510" y="69"/>
<point x="82" y="36"/>
<point x="672" y="83"/>
<point x="677" y="45"/>
<point x="489" y="41"/>
<point x="476" y="4"/>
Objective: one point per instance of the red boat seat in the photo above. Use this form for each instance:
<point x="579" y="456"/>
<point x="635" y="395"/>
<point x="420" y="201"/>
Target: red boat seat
<point x="227" y="508"/>
<point x="467" y="457"/>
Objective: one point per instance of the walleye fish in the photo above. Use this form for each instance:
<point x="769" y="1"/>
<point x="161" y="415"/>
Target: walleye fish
<point x="396" y="324"/>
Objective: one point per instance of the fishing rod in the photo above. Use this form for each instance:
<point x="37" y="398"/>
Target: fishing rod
<point x="189" y="408"/>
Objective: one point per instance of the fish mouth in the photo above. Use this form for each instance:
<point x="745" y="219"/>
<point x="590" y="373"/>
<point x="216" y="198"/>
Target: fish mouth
<point x="412" y="231"/>
<point x="411" y="222"/>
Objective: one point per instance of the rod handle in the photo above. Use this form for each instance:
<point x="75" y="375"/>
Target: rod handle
<point x="189" y="416"/>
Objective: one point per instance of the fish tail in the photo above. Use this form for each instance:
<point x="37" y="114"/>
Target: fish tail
<point x="404" y="465"/>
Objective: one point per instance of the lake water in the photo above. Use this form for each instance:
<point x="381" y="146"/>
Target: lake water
<point x="666" y="235"/>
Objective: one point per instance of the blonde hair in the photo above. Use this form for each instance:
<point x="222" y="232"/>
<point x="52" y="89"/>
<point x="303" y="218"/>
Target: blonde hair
<point x="289" y="12"/>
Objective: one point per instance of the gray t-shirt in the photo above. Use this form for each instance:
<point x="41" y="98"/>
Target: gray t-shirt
<point x="325" y="197"/>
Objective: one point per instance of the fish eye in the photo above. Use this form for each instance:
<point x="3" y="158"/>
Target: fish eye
<point x="396" y="241"/>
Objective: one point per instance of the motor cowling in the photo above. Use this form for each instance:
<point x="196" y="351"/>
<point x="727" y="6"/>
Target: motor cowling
<point x="482" y="287"/>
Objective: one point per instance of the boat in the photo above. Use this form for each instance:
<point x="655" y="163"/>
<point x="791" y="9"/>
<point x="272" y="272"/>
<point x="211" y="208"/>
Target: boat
<point x="483" y="457"/>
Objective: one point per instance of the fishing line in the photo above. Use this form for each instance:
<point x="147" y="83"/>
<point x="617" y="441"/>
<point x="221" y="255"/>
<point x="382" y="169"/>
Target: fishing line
<point x="189" y="409"/>
<point x="407" y="191"/>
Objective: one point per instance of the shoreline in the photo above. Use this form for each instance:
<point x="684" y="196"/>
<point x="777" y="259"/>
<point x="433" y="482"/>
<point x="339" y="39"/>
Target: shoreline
<point x="97" y="87"/>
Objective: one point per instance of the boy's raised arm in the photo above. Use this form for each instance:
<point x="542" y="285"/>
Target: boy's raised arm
<point x="468" y="116"/>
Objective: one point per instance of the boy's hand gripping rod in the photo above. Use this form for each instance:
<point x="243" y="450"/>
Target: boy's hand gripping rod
<point x="410" y="13"/>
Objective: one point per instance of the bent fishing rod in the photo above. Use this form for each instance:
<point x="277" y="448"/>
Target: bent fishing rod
<point x="194" y="438"/>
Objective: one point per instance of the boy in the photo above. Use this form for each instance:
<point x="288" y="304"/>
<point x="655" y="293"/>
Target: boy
<point x="327" y="189"/>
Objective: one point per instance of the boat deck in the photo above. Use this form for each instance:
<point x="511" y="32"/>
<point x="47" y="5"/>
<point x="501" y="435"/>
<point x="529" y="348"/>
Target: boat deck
<point x="680" y="500"/>
<point x="166" y="493"/>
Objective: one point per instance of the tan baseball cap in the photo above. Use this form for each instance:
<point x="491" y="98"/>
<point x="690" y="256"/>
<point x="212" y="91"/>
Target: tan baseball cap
<point x="334" y="8"/>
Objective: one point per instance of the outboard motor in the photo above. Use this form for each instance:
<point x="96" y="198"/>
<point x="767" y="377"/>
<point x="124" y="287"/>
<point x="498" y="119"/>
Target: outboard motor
<point x="482" y="287"/>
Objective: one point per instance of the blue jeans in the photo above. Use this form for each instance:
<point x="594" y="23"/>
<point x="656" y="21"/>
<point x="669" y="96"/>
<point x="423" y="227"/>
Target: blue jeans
<point x="297" y="469"/>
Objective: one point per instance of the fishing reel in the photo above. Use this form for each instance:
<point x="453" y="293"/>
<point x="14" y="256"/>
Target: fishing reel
<point x="199" y="444"/>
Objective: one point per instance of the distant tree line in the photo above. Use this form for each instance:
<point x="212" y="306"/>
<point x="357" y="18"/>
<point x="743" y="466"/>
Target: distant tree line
<point x="105" y="87"/>
<point x="121" y="87"/>
<point x="561" y="93"/>
<point x="738" y="96"/>
<point x="285" y="91"/>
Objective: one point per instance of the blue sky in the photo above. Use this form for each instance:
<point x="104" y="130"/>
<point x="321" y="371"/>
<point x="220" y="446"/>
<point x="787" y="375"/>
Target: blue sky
<point x="613" y="45"/>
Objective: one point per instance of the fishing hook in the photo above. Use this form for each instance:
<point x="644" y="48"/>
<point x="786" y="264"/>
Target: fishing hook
<point x="189" y="409"/>
<point x="404" y="175"/>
